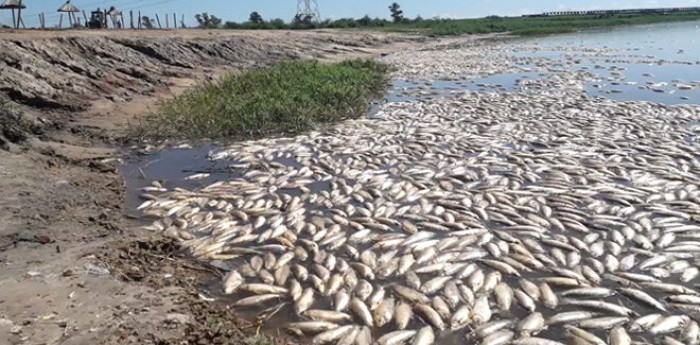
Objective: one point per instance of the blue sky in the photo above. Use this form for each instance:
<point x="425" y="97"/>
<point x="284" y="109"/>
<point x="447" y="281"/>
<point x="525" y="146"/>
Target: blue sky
<point x="239" y="10"/>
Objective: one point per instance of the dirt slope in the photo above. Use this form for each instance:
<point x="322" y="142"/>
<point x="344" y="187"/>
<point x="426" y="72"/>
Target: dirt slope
<point x="73" y="268"/>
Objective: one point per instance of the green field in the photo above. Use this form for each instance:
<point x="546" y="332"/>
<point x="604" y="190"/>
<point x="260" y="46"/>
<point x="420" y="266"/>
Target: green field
<point x="443" y="27"/>
<point x="533" y="25"/>
<point x="285" y="99"/>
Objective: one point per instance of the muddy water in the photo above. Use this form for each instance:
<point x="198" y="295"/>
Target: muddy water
<point x="171" y="167"/>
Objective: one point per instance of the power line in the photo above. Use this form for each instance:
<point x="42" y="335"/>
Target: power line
<point x="308" y="10"/>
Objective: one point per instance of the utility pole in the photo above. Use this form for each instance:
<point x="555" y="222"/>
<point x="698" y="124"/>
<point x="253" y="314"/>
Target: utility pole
<point x="308" y="9"/>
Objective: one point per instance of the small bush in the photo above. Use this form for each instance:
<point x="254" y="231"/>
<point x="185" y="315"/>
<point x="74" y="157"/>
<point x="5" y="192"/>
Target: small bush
<point x="285" y="99"/>
<point x="13" y="126"/>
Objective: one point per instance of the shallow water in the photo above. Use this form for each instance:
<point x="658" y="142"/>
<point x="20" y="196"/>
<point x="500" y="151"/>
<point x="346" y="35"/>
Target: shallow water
<point x="171" y="167"/>
<point x="669" y="52"/>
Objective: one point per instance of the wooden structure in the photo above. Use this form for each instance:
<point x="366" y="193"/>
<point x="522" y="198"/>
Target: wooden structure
<point x="117" y="17"/>
<point x="71" y="10"/>
<point x="14" y="5"/>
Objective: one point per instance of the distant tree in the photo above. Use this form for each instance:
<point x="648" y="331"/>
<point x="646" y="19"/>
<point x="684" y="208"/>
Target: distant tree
<point x="277" y="24"/>
<point x="232" y="25"/>
<point x="207" y="21"/>
<point x="365" y="21"/>
<point x="256" y="18"/>
<point x="396" y="13"/>
<point x="147" y="22"/>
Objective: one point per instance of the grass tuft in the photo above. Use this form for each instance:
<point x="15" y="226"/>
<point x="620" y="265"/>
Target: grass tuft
<point x="13" y="126"/>
<point x="259" y="340"/>
<point x="285" y="99"/>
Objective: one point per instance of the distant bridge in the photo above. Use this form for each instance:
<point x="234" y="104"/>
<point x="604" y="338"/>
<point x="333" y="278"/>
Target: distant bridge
<point x="637" y="11"/>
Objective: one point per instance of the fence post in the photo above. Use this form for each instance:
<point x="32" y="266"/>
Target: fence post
<point x="87" y="23"/>
<point x="140" y="20"/>
<point x="19" y="15"/>
<point x="158" y="20"/>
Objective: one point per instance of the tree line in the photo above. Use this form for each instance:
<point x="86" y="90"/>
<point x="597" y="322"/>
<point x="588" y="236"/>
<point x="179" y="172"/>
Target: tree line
<point x="257" y="21"/>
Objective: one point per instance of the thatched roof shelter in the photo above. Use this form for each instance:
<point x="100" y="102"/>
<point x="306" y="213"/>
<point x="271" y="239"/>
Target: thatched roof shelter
<point x="12" y="5"/>
<point x="68" y="8"/>
<point x="71" y="10"/>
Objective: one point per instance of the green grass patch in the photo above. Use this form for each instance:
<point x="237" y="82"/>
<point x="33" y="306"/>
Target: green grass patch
<point x="285" y="99"/>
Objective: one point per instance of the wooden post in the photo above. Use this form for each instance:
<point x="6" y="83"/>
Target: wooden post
<point x="70" y="21"/>
<point x="167" y="21"/>
<point x="19" y="15"/>
<point x="174" y="21"/>
<point x="182" y="22"/>
<point x="140" y="20"/>
<point x="158" y="20"/>
<point x="14" y="20"/>
<point x="131" y="19"/>
<point x="60" y="22"/>
<point x="86" y="20"/>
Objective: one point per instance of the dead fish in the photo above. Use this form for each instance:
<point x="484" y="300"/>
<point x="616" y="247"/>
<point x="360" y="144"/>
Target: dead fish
<point x="498" y="338"/>
<point x="410" y="294"/>
<point x="327" y="315"/>
<point x="362" y="312"/>
<point x="618" y="336"/>
<point x="531" y="324"/>
<point x="312" y="327"/>
<point x="425" y="336"/>
<point x="384" y="312"/>
<point x="504" y="296"/>
<point x="232" y="282"/>
<point x="331" y="335"/>
<point x="570" y="317"/>
<point x="341" y="299"/>
<point x="587" y="336"/>
<point x="396" y="337"/>
<point x="669" y="324"/>
<point x="430" y="315"/>
<point x="486" y="329"/>
<point x="263" y="289"/>
<point x="255" y="300"/>
<point x="481" y="312"/>
<point x="402" y="315"/>
<point x="603" y="322"/>
<point x="305" y="301"/>
<point x="642" y="297"/>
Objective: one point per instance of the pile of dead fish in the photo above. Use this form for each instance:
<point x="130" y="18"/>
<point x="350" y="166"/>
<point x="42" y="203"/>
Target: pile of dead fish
<point x="535" y="218"/>
<point x="503" y="218"/>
